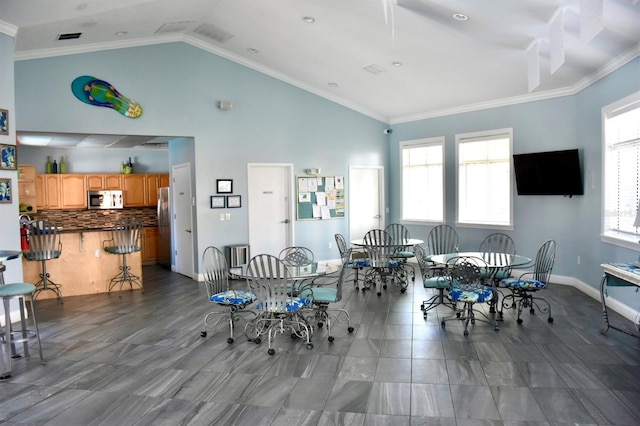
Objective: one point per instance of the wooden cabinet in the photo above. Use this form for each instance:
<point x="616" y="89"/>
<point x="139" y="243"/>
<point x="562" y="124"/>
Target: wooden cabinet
<point x="153" y="183"/>
<point x="48" y="192"/>
<point x="73" y="191"/>
<point x="113" y="181"/>
<point x="164" y="180"/>
<point x="149" y="249"/>
<point x="134" y="190"/>
<point x="95" y="182"/>
<point x="27" y="197"/>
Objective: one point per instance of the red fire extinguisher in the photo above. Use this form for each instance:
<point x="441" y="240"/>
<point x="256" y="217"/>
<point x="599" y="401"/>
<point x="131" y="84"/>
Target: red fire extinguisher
<point x="24" y="237"/>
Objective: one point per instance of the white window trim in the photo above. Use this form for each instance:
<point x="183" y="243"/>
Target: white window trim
<point x="439" y="140"/>
<point x="615" y="238"/>
<point x="478" y="135"/>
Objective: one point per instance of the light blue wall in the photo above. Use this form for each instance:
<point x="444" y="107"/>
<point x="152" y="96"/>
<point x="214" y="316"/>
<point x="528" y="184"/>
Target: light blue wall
<point x="178" y="87"/>
<point x="554" y="124"/>
<point x="97" y="160"/>
<point x="10" y="235"/>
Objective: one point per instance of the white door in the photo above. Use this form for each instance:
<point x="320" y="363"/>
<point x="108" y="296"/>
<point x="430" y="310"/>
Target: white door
<point x="270" y="208"/>
<point x="182" y="219"/>
<point x="366" y="200"/>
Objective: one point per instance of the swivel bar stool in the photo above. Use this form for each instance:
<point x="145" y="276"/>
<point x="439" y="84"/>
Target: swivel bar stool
<point x="125" y="239"/>
<point x="44" y="245"/>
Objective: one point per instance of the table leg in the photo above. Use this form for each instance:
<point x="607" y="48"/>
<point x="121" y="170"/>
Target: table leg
<point x="6" y="361"/>
<point x="606" y="326"/>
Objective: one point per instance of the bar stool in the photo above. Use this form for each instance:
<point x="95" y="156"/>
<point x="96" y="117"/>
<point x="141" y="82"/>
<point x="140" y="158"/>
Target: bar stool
<point x="125" y="239"/>
<point x="44" y="245"/>
<point x="18" y="291"/>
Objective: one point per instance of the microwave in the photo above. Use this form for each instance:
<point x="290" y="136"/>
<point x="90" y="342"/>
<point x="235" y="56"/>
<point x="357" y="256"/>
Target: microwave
<point x="104" y="199"/>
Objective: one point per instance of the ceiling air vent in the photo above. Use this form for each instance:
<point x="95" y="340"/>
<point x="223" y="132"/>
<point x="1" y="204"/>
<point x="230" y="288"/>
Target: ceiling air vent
<point x="373" y="69"/>
<point x="213" y="32"/>
<point x="69" y="36"/>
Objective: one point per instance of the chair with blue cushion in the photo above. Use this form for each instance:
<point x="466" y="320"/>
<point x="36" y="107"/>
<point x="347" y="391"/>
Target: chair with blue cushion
<point x="527" y="284"/>
<point x="382" y="266"/>
<point x="442" y="239"/>
<point x="357" y="258"/>
<point x="326" y="290"/>
<point x="439" y="282"/>
<point x="234" y="301"/>
<point x="278" y="311"/>
<point x="125" y="240"/>
<point x="467" y="287"/>
<point x="399" y="236"/>
<point x="497" y="242"/>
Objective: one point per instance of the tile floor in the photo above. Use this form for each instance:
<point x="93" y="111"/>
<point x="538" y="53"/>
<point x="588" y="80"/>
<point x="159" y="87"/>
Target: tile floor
<point x="140" y="360"/>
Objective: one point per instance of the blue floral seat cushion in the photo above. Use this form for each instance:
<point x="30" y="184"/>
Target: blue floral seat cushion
<point x="358" y="263"/>
<point x="479" y="295"/>
<point x="293" y="304"/>
<point x="522" y="283"/>
<point x="233" y="297"/>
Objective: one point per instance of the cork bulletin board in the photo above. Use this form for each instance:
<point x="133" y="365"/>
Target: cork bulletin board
<point x="320" y="197"/>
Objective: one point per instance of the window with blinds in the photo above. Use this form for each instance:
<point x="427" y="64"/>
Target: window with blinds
<point x="422" y="165"/>
<point x="484" y="178"/>
<point x="621" y="150"/>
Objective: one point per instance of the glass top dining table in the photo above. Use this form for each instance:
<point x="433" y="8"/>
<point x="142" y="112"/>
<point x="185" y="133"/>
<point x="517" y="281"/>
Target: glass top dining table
<point x="311" y="270"/>
<point x="493" y="260"/>
<point x="409" y="242"/>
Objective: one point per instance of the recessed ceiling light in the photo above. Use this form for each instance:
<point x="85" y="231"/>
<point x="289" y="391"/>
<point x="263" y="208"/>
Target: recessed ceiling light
<point x="121" y="33"/>
<point x="252" y="50"/>
<point x="333" y="84"/>
<point x="460" y="17"/>
<point x="309" y="19"/>
<point x="396" y="64"/>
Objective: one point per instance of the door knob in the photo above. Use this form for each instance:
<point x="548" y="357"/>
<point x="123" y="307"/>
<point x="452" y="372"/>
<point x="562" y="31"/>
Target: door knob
<point x="285" y="221"/>
<point x="188" y="230"/>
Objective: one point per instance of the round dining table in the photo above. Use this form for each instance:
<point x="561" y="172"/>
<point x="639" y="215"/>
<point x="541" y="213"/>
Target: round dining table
<point x="405" y="243"/>
<point x="493" y="260"/>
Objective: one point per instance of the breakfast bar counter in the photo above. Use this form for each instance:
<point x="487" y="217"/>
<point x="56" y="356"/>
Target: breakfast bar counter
<point x="83" y="266"/>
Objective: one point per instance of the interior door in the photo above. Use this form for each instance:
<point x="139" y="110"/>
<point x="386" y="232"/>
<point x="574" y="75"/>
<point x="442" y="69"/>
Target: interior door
<point x="366" y="200"/>
<point x="182" y="219"/>
<point x="270" y="208"/>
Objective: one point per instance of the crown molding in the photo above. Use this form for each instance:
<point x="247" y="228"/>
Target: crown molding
<point x="8" y="29"/>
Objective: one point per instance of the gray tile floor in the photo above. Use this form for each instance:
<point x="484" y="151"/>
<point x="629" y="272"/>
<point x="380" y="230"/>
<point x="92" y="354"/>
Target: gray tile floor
<point x="140" y="360"/>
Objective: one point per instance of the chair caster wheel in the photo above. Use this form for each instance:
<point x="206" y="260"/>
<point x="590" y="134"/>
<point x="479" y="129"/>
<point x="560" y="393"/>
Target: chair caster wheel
<point x="203" y="334"/>
<point x="364" y="289"/>
<point x="330" y="338"/>
<point x="550" y="320"/>
<point x="384" y="286"/>
<point x="442" y="324"/>
<point x="350" y="329"/>
<point x="257" y="340"/>
<point x="403" y="290"/>
<point x="532" y="311"/>
<point x="309" y="346"/>
<point x="519" y="321"/>
<point x="458" y="314"/>
<point x="496" y="328"/>
<point x="320" y="325"/>
<point x="424" y="315"/>
<point x="230" y="340"/>
<point x="466" y="332"/>
<point x="293" y="336"/>
<point x="422" y="307"/>
<point x="271" y="351"/>
<point x="473" y="321"/>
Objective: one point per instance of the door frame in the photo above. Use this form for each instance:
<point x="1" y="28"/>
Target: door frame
<point x="175" y="235"/>
<point x="288" y="169"/>
<point x="381" y="192"/>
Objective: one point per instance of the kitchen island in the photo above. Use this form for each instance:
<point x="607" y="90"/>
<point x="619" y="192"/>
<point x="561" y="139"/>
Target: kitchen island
<point x="83" y="267"/>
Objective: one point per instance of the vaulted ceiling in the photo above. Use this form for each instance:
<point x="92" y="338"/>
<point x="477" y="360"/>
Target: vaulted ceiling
<point x="394" y="60"/>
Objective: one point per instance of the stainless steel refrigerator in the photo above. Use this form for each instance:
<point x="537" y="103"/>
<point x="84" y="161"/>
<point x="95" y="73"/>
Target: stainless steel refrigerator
<point x="164" y="227"/>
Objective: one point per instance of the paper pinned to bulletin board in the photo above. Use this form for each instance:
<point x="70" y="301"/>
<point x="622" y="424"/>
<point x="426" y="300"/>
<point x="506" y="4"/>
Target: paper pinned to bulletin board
<point x="320" y="197"/>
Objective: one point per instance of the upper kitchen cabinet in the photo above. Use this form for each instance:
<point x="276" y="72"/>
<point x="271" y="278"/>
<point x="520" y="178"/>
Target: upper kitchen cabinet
<point x="27" y="188"/>
<point x="73" y="191"/>
<point x="95" y="182"/>
<point x="134" y="188"/>
<point x="48" y="192"/>
<point x="112" y="181"/>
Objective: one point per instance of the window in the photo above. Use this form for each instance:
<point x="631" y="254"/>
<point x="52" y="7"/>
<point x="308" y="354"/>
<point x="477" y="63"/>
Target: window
<point x="422" y="180"/>
<point x="484" y="178"/>
<point x="621" y="151"/>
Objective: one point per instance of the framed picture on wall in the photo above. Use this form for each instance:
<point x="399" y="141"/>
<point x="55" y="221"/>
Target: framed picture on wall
<point x="8" y="157"/>
<point x="217" y="202"/>
<point x="5" y="191"/>
<point x="224" y="186"/>
<point x="4" y="122"/>
<point x="233" y="201"/>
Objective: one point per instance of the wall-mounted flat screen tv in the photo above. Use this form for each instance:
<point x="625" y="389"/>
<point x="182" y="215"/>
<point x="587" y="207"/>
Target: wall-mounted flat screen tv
<point x="548" y="173"/>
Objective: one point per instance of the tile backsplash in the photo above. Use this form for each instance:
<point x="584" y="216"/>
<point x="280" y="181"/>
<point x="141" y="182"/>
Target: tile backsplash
<point x="71" y="220"/>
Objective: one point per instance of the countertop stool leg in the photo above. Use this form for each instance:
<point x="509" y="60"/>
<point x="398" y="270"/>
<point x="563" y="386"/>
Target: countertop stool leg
<point x="6" y="355"/>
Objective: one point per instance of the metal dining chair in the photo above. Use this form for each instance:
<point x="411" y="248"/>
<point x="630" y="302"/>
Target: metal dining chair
<point x="379" y="246"/>
<point x="277" y="310"/>
<point x="357" y="258"/>
<point x="436" y="282"/>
